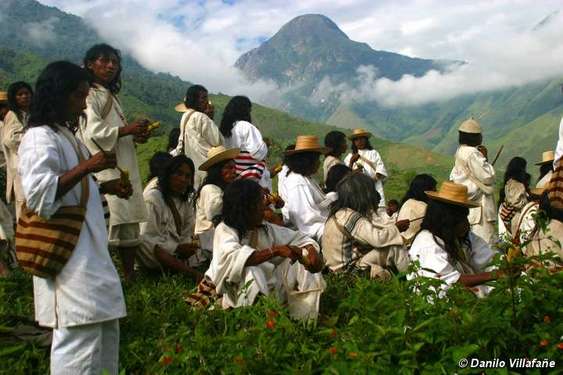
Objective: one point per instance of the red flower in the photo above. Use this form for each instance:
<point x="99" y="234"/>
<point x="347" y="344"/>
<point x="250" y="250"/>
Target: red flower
<point x="560" y="346"/>
<point x="332" y="350"/>
<point x="547" y="319"/>
<point x="166" y="360"/>
<point x="544" y="343"/>
<point x="270" y="324"/>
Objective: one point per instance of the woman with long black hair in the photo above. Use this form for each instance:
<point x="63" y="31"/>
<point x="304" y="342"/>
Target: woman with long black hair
<point x="167" y="241"/>
<point x="414" y="203"/>
<point x="19" y="101"/>
<point x="335" y="141"/>
<point x="446" y="248"/>
<point x="82" y="303"/>
<point x="513" y="195"/>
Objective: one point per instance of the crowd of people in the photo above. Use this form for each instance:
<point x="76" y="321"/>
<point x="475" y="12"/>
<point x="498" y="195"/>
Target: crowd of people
<point x="210" y="211"/>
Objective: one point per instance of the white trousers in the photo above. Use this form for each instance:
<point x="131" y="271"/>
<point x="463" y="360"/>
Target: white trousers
<point x="87" y="349"/>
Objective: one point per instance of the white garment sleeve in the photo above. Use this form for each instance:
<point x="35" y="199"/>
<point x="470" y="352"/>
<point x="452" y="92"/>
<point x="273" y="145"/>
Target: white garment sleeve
<point x="480" y="168"/>
<point x="39" y="166"/>
<point x="287" y="236"/>
<point x="434" y="262"/>
<point x="378" y="162"/>
<point x="559" y="148"/>
<point x="211" y="201"/>
<point x="209" y="131"/>
<point x="154" y="232"/>
<point x="105" y="133"/>
<point x="12" y="132"/>
<point x="481" y="253"/>
<point x="254" y="143"/>
<point x="304" y="213"/>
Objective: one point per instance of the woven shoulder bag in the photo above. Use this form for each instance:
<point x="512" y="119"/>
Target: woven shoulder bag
<point x="43" y="246"/>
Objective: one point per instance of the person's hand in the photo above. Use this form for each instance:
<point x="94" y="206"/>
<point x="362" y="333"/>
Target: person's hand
<point x="403" y="225"/>
<point x="117" y="187"/>
<point x="354" y="158"/>
<point x="100" y="161"/>
<point x="138" y="129"/>
<point x="286" y="252"/>
<point x="483" y="150"/>
<point x="186" y="249"/>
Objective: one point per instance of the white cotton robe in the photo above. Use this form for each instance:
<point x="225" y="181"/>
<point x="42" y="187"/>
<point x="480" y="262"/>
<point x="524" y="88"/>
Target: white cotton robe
<point x="248" y="138"/>
<point x="209" y="205"/>
<point x="329" y="162"/>
<point x="87" y="290"/>
<point x="413" y="210"/>
<point x="106" y="133"/>
<point x="11" y="135"/>
<point x="471" y="167"/>
<point x="198" y="133"/>
<point x="435" y="263"/>
<point x="239" y="285"/>
<point x="559" y="147"/>
<point x="306" y="206"/>
<point x="372" y="164"/>
<point x="160" y="228"/>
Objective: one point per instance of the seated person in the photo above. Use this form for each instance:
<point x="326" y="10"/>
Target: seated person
<point x="354" y="240"/>
<point x="167" y="235"/>
<point x="252" y="257"/>
<point x="414" y="204"/>
<point x="392" y="209"/>
<point x="306" y="206"/>
<point x="446" y="248"/>
<point x="221" y="171"/>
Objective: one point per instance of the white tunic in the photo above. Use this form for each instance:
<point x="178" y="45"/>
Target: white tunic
<point x="239" y="285"/>
<point x="544" y="181"/>
<point x="329" y="162"/>
<point x="306" y="205"/>
<point x="160" y="228"/>
<point x="372" y="164"/>
<point x="559" y="148"/>
<point x="413" y="210"/>
<point x="2" y="156"/>
<point x="282" y="176"/>
<point x="248" y="138"/>
<point x="12" y="132"/>
<point x="87" y="290"/>
<point x="435" y="262"/>
<point x="106" y="133"/>
<point x="198" y="133"/>
<point x="209" y="205"/>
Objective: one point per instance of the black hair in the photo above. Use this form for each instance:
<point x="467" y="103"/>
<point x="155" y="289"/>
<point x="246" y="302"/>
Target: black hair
<point x="550" y="211"/>
<point x="213" y="177"/>
<point x="157" y="161"/>
<point x="393" y="201"/>
<point x="333" y="140"/>
<point x="12" y="92"/>
<point x="52" y="90"/>
<point x="470" y="139"/>
<point x="238" y="109"/>
<point x="515" y="170"/>
<point x="287" y="148"/>
<point x="168" y="169"/>
<point x="240" y="201"/>
<point x="545" y="169"/>
<point x="441" y="220"/>
<point x="104" y="50"/>
<point x="335" y="175"/>
<point x="173" y="137"/>
<point x="419" y="184"/>
<point x="356" y="192"/>
<point x="368" y="145"/>
<point x="192" y="97"/>
<point x="303" y="163"/>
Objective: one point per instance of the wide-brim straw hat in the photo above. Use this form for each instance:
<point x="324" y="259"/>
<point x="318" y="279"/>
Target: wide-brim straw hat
<point x="307" y="143"/>
<point x="181" y="107"/>
<point x="470" y="126"/>
<point x="357" y="133"/>
<point x="452" y="193"/>
<point x="218" y="154"/>
<point x="3" y="97"/>
<point x="547" y="157"/>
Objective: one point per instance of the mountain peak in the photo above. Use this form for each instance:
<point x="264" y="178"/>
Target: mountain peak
<point x="312" y="23"/>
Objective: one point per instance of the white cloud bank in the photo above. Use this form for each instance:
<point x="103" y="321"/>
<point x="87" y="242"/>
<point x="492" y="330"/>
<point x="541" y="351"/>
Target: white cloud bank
<point x="200" y="41"/>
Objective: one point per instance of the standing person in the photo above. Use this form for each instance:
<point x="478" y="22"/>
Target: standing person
<point x="414" y="203"/>
<point x="19" y="100"/>
<point x="472" y="169"/>
<point x="239" y="132"/>
<point x="4" y="109"/>
<point x="106" y="128"/>
<point x="198" y="133"/>
<point x="546" y="169"/>
<point x="253" y="257"/>
<point x="221" y="171"/>
<point x="84" y="301"/>
<point x="167" y="235"/>
<point x="446" y="247"/>
<point x="353" y="240"/>
<point x="335" y="141"/>
<point x="368" y="160"/>
<point x="306" y="206"/>
<point x="513" y="195"/>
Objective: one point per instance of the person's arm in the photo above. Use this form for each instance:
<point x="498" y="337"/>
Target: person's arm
<point x="12" y="132"/>
<point x="261" y="256"/>
<point x="476" y="279"/>
<point x="304" y="212"/>
<point x="377" y="236"/>
<point x="256" y="145"/>
<point x="209" y="131"/>
<point x="480" y="168"/>
<point x="175" y="264"/>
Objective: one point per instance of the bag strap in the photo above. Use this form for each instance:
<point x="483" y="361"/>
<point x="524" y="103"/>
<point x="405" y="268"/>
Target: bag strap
<point x="176" y="215"/>
<point x="108" y="106"/>
<point x="524" y="212"/>
<point x="181" y="137"/>
<point x="84" y="181"/>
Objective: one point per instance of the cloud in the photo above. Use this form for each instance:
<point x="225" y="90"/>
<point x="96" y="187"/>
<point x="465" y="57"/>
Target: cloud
<point x="504" y="41"/>
<point x="41" y="33"/>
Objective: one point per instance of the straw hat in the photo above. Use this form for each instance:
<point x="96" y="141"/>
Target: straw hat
<point x="307" y="143"/>
<point x="357" y="133"/>
<point x="470" y="126"/>
<point x="547" y="157"/>
<point x="3" y="96"/>
<point x="218" y="154"/>
<point x="453" y="193"/>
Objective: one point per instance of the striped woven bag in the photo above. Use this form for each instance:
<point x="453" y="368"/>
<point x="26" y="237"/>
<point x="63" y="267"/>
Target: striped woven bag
<point x="555" y="187"/>
<point x="43" y="246"/>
